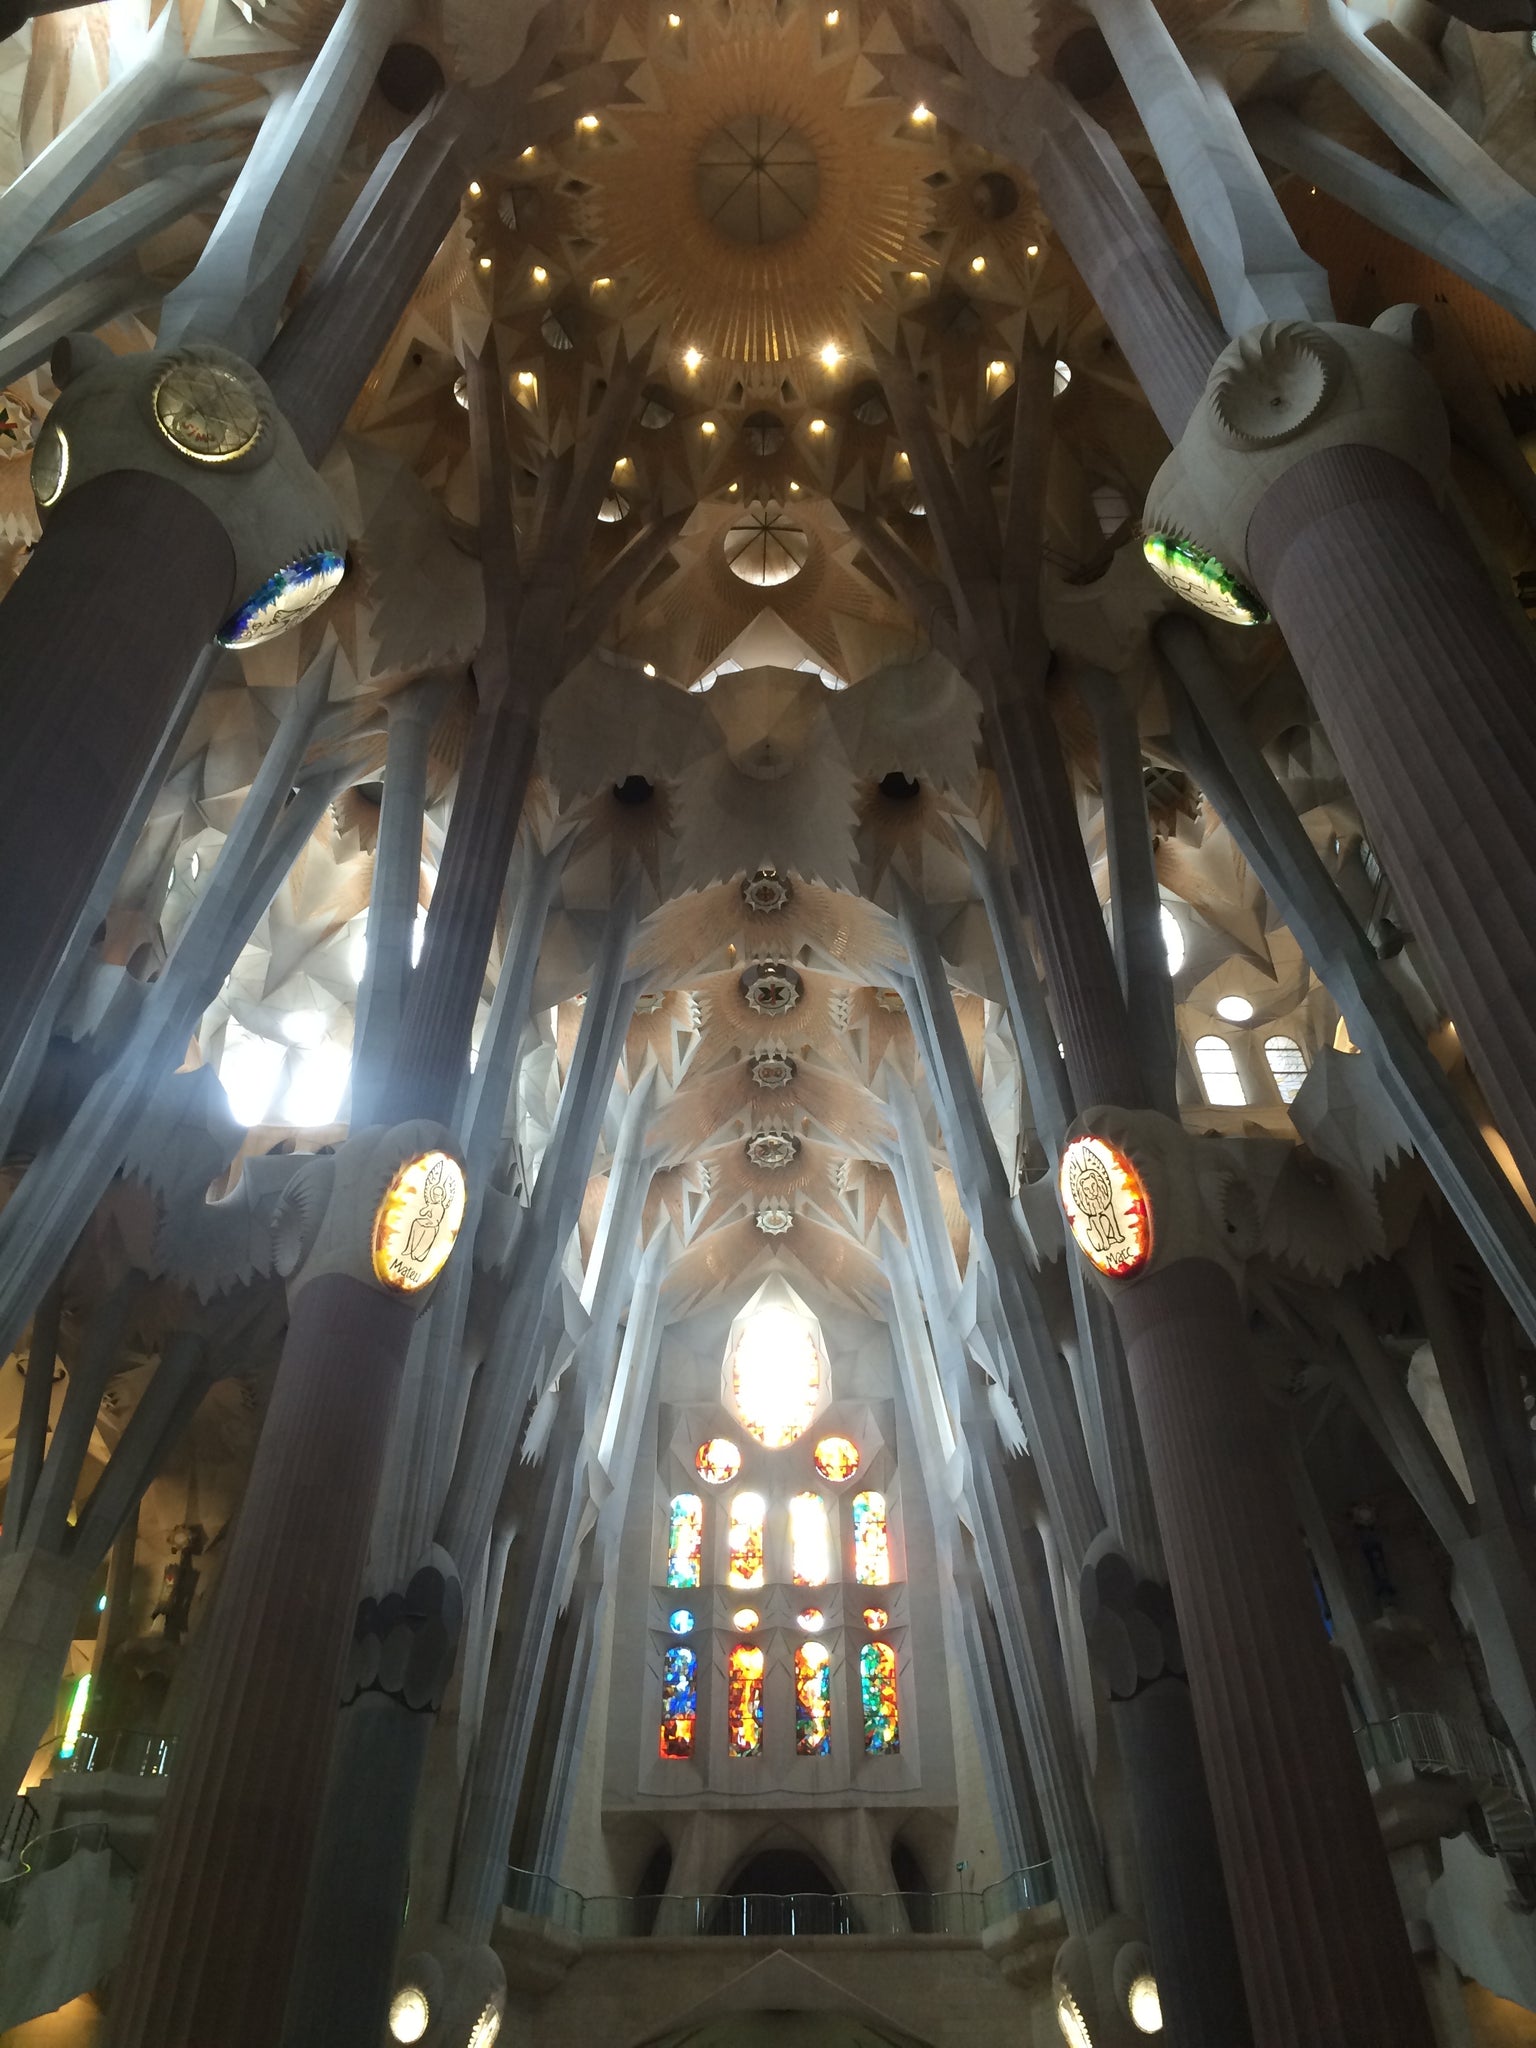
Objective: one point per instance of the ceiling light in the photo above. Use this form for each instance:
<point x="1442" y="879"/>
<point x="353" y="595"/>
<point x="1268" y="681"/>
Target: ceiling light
<point x="674" y="21"/>
<point x="831" y="355"/>
<point x="706" y="426"/>
<point x="528" y="152"/>
<point x="920" y="113"/>
<point x="794" y="487"/>
<point x="978" y="264"/>
<point x="526" y="379"/>
<point x="917" y="276"/>
<point x="1063" y="378"/>
<point x="691" y="358"/>
<point x="587" y="121"/>
<point x="833" y="17"/>
<point x="1033" y="249"/>
<point x="997" y="367"/>
<point x="474" y="188"/>
<point x="818" y="426"/>
<point x="601" y="284"/>
<point x="485" y="262"/>
<point x="1236" y="1009"/>
<point x="649" y="669"/>
<point x="539" y="274"/>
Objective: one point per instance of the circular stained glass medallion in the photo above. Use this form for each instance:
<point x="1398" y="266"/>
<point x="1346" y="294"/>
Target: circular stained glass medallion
<point x="876" y="1618"/>
<point x="50" y="465"/>
<point x="1106" y="1206"/>
<point x="837" y="1457"/>
<point x="745" y="1619"/>
<point x="283" y="601"/>
<point x="718" y="1461"/>
<point x="417" y="1221"/>
<point x="1202" y="581"/>
<point x="207" y="411"/>
<point x="680" y="1621"/>
<point x="812" y="1620"/>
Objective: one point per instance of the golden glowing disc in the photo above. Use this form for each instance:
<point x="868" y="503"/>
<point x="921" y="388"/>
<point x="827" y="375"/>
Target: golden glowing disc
<point x="418" y="1220"/>
<point x="1106" y="1207"/>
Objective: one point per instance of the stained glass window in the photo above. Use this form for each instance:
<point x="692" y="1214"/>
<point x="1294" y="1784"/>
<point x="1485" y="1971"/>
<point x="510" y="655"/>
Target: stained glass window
<point x="871" y="1540"/>
<point x="745" y="1541"/>
<point x="813" y="1700"/>
<point x="837" y="1458"/>
<point x="875" y="1618"/>
<point x="685" y="1538"/>
<point x="812" y="1620"/>
<point x="679" y="1701"/>
<point x="745" y="1701"/>
<point x="877" y="1695"/>
<point x="680" y="1621"/>
<point x="776" y="1376"/>
<point x="746" y="1619"/>
<point x="1288" y="1064"/>
<point x="810" y="1540"/>
<point x="718" y="1461"/>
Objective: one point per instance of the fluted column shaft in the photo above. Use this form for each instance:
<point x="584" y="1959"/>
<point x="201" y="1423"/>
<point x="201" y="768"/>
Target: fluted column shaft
<point x="126" y="587"/>
<point x="221" y="1899"/>
<point x="1425" y="691"/>
<point x="1325" y="1956"/>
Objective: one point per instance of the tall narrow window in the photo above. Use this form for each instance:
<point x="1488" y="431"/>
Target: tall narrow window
<point x="745" y="1541"/>
<point x="877" y="1696"/>
<point x="685" y="1537"/>
<point x="871" y="1540"/>
<point x="813" y="1700"/>
<point x="745" y="1700"/>
<point x="1288" y="1064"/>
<point x="776" y="1376"/>
<point x="1218" y="1073"/>
<point x="679" y="1700"/>
<point x="810" y="1540"/>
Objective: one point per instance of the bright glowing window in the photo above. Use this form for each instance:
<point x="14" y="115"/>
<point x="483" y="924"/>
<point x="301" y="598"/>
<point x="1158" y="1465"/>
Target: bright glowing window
<point x="679" y="1701"/>
<point x="745" y="1541"/>
<point x="810" y="1540"/>
<point x="813" y="1700"/>
<point x="718" y="1461"/>
<point x="876" y="1618"/>
<point x="776" y="1376"/>
<point x="812" y="1620"/>
<point x="745" y="1700"/>
<point x="680" y="1621"/>
<point x="1288" y="1064"/>
<point x="746" y="1619"/>
<point x="685" y="1539"/>
<point x="836" y="1458"/>
<point x="877" y="1696"/>
<point x="1173" y="940"/>
<point x="871" y="1540"/>
<point x="1219" y="1077"/>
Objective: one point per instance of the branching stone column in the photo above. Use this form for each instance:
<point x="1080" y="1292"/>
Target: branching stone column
<point x="172" y="547"/>
<point x="364" y="1233"/>
<point x="1313" y="470"/>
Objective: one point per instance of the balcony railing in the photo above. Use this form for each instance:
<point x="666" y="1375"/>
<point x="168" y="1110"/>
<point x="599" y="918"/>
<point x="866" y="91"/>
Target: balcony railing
<point x="1438" y="1748"/>
<point x="780" y="1916"/>
<point x="131" y="1753"/>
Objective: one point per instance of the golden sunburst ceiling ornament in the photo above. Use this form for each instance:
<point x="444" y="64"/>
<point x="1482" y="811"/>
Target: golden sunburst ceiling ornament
<point x="764" y="230"/>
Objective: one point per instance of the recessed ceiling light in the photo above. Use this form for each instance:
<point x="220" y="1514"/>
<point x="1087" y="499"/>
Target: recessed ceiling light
<point x="474" y="188"/>
<point x="1235" y="1009"/>
<point x="920" y="113"/>
<point x="485" y="262"/>
<point x="818" y="426"/>
<point x="526" y="379"/>
<point x="692" y="358"/>
<point x="706" y="426"/>
<point x="833" y="17"/>
<point x="649" y="669"/>
<point x="997" y="367"/>
<point x="539" y="274"/>
<point x="674" y="21"/>
<point x="794" y="487"/>
<point x="1033" y="249"/>
<point x="587" y="121"/>
<point x="978" y="264"/>
<point x="831" y="355"/>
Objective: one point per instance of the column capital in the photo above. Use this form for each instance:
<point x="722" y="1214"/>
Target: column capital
<point x="1276" y="395"/>
<point x="201" y="418"/>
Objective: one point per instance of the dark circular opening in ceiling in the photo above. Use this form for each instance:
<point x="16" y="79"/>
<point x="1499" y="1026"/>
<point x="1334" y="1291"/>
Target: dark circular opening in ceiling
<point x="898" y="787"/>
<point x="1084" y="64"/>
<point x="995" y="196"/>
<point x="634" y="789"/>
<point x="410" y="77"/>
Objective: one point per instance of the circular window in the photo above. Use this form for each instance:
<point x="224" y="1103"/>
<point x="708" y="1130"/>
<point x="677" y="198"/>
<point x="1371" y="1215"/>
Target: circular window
<point x="718" y="1461"/>
<point x="764" y="547"/>
<point x="756" y="179"/>
<point x="837" y="1457"/>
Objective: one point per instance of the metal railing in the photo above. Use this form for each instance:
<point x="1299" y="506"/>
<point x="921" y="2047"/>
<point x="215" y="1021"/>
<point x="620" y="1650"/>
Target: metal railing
<point x="779" y="1915"/>
<point x="44" y="1853"/>
<point x="1438" y="1748"/>
<point x="132" y="1752"/>
<point x="19" y="1826"/>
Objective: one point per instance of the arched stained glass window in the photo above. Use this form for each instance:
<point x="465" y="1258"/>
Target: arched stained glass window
<point x="1219" y="1077"/>
<point x="813" y="1700"/>
<point x="776" y="1376"/>
<point x="810" y="1540"/>
<point x="685" y="1537"/>
<point x="1288" y="1064"/>
<point x="871" y="1540"/>
<point x="679" y="1701"/>
<point x="877" y="1696"/>
<point x="745" y="1542"/>
<point x="745" y="1700"/>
